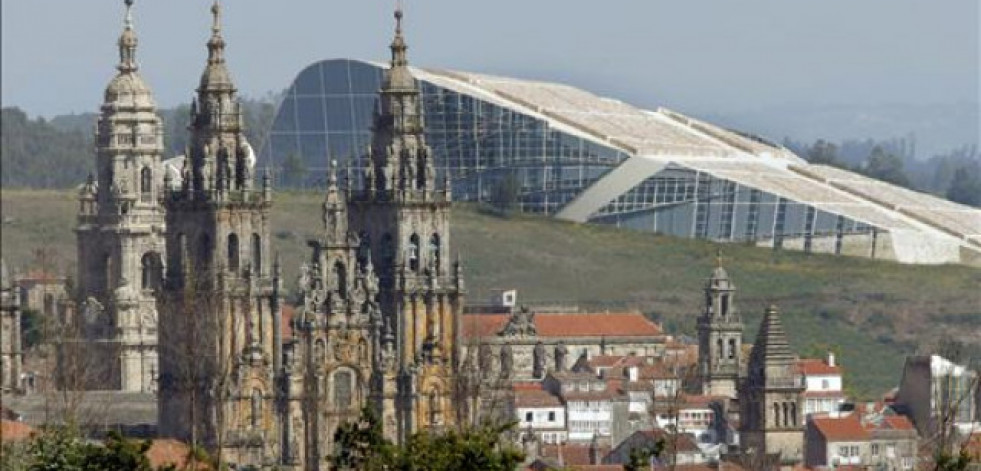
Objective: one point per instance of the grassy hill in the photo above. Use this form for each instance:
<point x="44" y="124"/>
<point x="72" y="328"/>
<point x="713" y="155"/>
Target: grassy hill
<point x="873" y="312"/>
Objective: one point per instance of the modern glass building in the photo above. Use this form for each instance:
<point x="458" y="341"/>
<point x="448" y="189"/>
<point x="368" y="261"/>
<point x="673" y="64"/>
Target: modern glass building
<point x="557" y="150"/>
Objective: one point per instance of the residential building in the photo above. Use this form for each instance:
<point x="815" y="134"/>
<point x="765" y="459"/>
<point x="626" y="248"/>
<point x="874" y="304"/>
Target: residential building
<point x="541" y="413"/>
<point x="588" y="401"/>
<point x="822" y="385"/>
<point x="679" y="448"/>
<point x="937" y="392"/>
<point x="876" y="441"/>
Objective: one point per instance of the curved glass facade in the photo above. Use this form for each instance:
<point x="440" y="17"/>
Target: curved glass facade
<point x="542" y="146"/>
<point x="485" y="147"/>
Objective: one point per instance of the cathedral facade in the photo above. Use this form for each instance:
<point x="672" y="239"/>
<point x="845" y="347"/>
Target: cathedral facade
<point x="120" y="234"/>
<point x="378" y="303"/>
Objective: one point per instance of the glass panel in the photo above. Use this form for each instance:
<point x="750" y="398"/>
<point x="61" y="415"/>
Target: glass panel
<point x="308" y="83"/>
<point x="335" y="76"/>
<point x="339" y="114"/>
<point x="310" y="114"/>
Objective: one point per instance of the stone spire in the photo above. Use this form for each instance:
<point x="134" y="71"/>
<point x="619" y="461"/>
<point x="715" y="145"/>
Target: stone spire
<point x="216" y="75"/>
<point x="334" y="209"/>
<point x="128" y="43"/>
<point x="771" y="346"/>
<point x="402" y="161"/>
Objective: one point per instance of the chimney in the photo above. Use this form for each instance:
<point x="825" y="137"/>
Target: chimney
<point x="831" y="358"/>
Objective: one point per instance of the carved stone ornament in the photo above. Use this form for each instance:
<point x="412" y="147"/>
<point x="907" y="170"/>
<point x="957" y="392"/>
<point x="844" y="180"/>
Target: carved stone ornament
<point x="521" y="323"/>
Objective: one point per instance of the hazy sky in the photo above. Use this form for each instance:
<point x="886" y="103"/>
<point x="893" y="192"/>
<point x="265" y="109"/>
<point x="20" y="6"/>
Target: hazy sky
<point x="694" y="55"/>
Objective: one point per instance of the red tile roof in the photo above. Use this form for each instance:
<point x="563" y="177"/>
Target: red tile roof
<point x="16" y="431"/>
<point x="539" y="398"/>
<point x="573" y="454"/>
<point x="630" y="324"/>
<point x="815" y="367"/>
<point x="843" y="429"/>
<point x="286" y="321"/>
<point x="167" y="451"/>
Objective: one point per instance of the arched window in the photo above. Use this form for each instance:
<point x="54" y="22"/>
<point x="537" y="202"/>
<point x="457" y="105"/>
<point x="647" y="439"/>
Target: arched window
<point x="414" y="252"/>
<point x="732" y="349"/>
<point x="233" y="251"/>
<point x="793" y="414"/>
<point x="146" y="184"/>
<point x="256" y="254"/>
<point x="340" y="274"/>
<point x="786" y="414"/>
<point x="776" y="414"/>
<point x="434" y="251"/>
<point x="343" y="389"/>
<point x="256" y="408"/>
<point x="725" y="305"/>
<point x="720" y="347"/>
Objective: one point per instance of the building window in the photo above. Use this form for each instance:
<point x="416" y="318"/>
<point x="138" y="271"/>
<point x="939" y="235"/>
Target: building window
<point x="551" y="416"/>
<point x="256" y="408"/>
<point x="434" y="251"/>
<point x="875" y="449"/>
<point x="233" y="252"/>
<point x="825" y="384"/>
<point x="340" y="274"/>
<point x="150" y="277"/>
<point x="146" y="184"/>
<point x="256" y="254"/>
<point x="414" y="253"/>
<point x="528" y="416"/>
<point x="343" y="389"/>
<point x="732" y="349"/>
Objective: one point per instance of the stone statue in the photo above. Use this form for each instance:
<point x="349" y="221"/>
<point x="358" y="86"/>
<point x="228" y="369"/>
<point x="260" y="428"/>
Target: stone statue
<point x="560" y="353"/>
<point x="485" y="359"/>
<point x="521" y="323"/>
<point x="507" y="360"/>
<point x="92" y="310"/>
<point x="538" y="369"/>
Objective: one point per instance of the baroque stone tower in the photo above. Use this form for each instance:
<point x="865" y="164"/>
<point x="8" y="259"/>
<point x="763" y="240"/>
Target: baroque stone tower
<point x="220" y="338"/>
<point x="771" y="397"/>
<point x="120" y="232"/>
<point x="720" y="336"/>
<point x="336" y="333"/>
<point x="404" y="219"/>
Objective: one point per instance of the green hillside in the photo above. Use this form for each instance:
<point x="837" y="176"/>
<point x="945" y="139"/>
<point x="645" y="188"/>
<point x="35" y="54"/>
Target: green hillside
<point x="873" y="312"/>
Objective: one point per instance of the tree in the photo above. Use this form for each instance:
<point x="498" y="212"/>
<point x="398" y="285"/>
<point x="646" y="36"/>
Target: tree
<point x="362" y="446"/>
<point x="640" y="458"/>
<point x="823" y="152"/>
<point x="885" y="166"/>
<point x="965" y="187"/>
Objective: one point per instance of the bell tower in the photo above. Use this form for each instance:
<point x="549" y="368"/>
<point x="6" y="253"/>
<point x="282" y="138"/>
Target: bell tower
<point x="120" y="231"/>
<point x="404" y="218"/>
<point x="220" y="323"/>
<point x="720" y="336"/>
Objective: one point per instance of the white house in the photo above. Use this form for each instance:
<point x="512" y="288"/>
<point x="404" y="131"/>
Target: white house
<point x="823" y="391"/>
<point x="542" y="413"/>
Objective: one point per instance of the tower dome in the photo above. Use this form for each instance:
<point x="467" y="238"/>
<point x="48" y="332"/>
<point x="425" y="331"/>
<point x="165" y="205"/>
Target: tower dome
<point x="127" y="89"/>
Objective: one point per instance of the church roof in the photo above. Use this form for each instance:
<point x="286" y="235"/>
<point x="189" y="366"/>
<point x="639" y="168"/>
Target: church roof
<point x="771" y="341"/>
<point x="625" y="324"/>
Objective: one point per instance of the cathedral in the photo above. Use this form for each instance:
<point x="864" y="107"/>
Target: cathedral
<point x="378" y="304"/>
